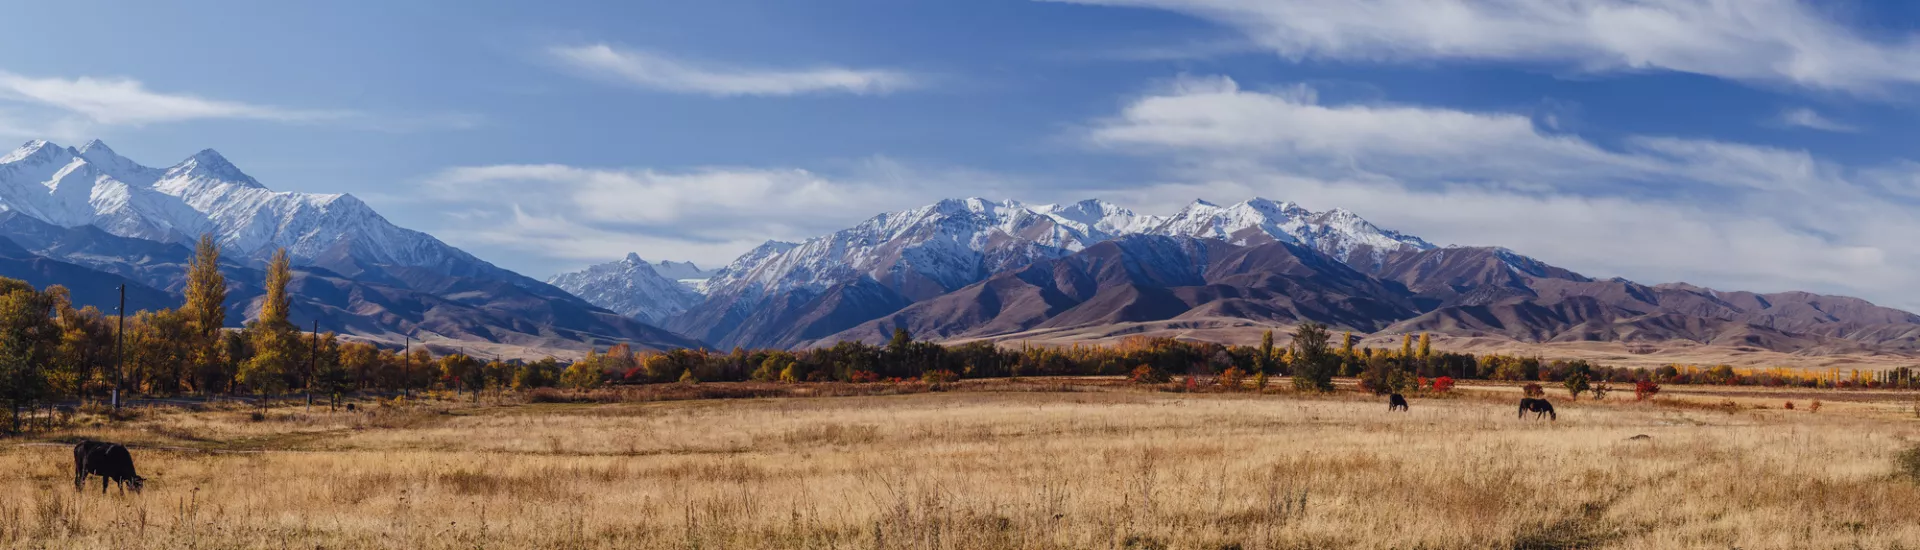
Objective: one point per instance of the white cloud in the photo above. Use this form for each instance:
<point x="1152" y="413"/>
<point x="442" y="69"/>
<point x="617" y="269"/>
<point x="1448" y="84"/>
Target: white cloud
<point x="569" y="214"/>
<point x="659" y="72"/>
<point x="121" y="101"/>
<point x="1803" y="117"/>
<point x="1777" y="41"/>
<point x="1654" y="209"/>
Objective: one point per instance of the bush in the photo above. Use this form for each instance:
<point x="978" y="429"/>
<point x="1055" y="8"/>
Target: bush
<point x="864" y="377"/>
<point x="1907" y="463"/>
<point x="1534" y="390"/>
<point x="939" y="377"/>
<point x="1232" y="379"/>
<point x="1814" y="406"/>
<point x="1145" y="374"/>
<point x="1645" y="389"/>
<point x="1443" y="384"/>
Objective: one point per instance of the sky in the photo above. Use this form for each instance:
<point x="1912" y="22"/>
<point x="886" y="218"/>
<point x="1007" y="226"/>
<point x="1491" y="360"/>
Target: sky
<point x="1759" y="145"/>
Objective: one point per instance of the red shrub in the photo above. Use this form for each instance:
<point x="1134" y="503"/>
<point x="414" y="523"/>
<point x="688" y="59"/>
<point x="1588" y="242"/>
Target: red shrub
<point x="1789" y="405"/>
<point x="1145" y="374"/>
<point x="865" y="377"/>
<point x="1443" y="384"/>
<point x="1644" y="390"/>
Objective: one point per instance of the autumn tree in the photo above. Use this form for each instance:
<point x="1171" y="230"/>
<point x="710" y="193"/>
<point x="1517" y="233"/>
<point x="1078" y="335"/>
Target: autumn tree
<point x="274" y="341"/>
<point x="1426" y="347"/>
<point x="85" y="349"/>
<point x="205" y="312"/>
<point x="28" y="338"/>
<point x="583" y="375"/>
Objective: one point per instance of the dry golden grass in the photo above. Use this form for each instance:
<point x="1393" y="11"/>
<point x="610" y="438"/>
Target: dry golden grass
<point x="1105" y="468"/>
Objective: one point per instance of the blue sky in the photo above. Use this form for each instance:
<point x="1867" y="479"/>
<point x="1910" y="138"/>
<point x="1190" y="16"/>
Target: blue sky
<point x="1759" y="144"/>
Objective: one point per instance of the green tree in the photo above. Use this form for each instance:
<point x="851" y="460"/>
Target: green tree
<point x="1265" y="362"/>
<point x="1312" y="365"/>
<point x="1426" y="347"/>
<point x="1576" y="384"/>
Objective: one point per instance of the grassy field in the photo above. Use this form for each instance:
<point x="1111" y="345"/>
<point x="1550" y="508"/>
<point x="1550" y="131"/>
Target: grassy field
<point x="995" y="465"/>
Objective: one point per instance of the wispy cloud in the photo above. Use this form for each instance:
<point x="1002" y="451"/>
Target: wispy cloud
<point x="570" y="214"/>
<point x="85" y="107"/>
<point x="660" y="72"/>
<point x="1776" y="41"/>
<point x="1803" y="117"/>
<point x="123" y="101"/>
<point x="1654" y="208"/>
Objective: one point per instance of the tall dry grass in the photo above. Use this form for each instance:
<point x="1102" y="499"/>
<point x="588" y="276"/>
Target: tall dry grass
<point x="1111" y="469"/>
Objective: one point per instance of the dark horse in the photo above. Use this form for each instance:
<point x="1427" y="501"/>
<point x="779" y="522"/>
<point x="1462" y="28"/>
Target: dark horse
<point x="1538" y="407"/>
<point x="110" y="461"/>
<point x="1396" y="402"/>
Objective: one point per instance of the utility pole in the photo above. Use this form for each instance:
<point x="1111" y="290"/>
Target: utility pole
<point x="313" y="363"/>
<point x="406" y="370"/>
<point x="120" y="348"/>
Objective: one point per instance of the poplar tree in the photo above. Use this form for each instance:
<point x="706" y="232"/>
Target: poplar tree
<point x="273" y="333"/>
<point x="206" y="308"/>
<point x="1266" y="351"/>
<point x="1426" y="346"/>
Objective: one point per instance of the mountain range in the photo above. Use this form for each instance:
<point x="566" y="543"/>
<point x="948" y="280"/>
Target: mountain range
<point x="100" y="220"/>
<point x="960" y="269"/>
<point x="1003" y="270"/>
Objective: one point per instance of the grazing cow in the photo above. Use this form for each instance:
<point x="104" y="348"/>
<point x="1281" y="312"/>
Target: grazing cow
<point x="110" y="461"/>
<point x="1539" y="407"/>
<point x="1396" y="402"/>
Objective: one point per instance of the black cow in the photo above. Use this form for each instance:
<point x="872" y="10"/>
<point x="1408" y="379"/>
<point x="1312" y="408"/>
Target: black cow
<point x="110" y="461"/>
<point x="1396" y="402"/>
<point x="1538" y="407"/>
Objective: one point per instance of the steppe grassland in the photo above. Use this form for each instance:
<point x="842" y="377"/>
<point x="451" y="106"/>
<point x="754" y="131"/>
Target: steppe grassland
<point x="985" y="469"/>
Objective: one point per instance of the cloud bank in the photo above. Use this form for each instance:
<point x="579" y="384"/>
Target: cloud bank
<point x="1789" y="42"/>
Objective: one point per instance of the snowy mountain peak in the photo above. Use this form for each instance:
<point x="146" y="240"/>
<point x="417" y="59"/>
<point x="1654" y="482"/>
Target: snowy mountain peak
<point x="95" y="147"/>
<point x="631" y="287"/>
<point x="32" y="151"/>
<point x="209" y="164"/>
<point x="93" y="185"/>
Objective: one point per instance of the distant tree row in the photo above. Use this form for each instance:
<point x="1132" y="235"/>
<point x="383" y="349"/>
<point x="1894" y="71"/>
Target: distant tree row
<point x="52" y="352"/>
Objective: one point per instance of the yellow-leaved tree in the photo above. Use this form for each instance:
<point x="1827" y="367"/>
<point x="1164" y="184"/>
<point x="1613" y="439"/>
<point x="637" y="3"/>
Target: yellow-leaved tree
<point x="273" y="335"/>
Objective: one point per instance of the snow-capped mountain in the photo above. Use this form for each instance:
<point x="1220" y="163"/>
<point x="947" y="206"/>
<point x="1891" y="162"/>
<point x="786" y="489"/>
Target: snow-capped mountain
<point x="934" y="248"/>
<point x="93" y="185"/>
<point x="686" y="273"/>
<point x="957" y="242"/>
<point x="635" y="288"/>
<point x="1337" y="232"/>
<point x="912" y="255"/>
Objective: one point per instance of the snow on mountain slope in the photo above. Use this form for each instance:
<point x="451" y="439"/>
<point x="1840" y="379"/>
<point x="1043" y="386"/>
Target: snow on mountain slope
<point x="93" y="185"/>
<point x="634" y="288"/>
<point x="938" y="247"/>
<point x="1337" y="232"/>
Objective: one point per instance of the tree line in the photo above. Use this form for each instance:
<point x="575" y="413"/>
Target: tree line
<point x="51" y="352"/>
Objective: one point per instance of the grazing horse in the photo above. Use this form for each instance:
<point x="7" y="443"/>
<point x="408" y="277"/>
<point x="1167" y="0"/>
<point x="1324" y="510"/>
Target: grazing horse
<point x="1538" y="407"/>
<point x="1396" y="402"/>
<point x="110" y="461"/>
